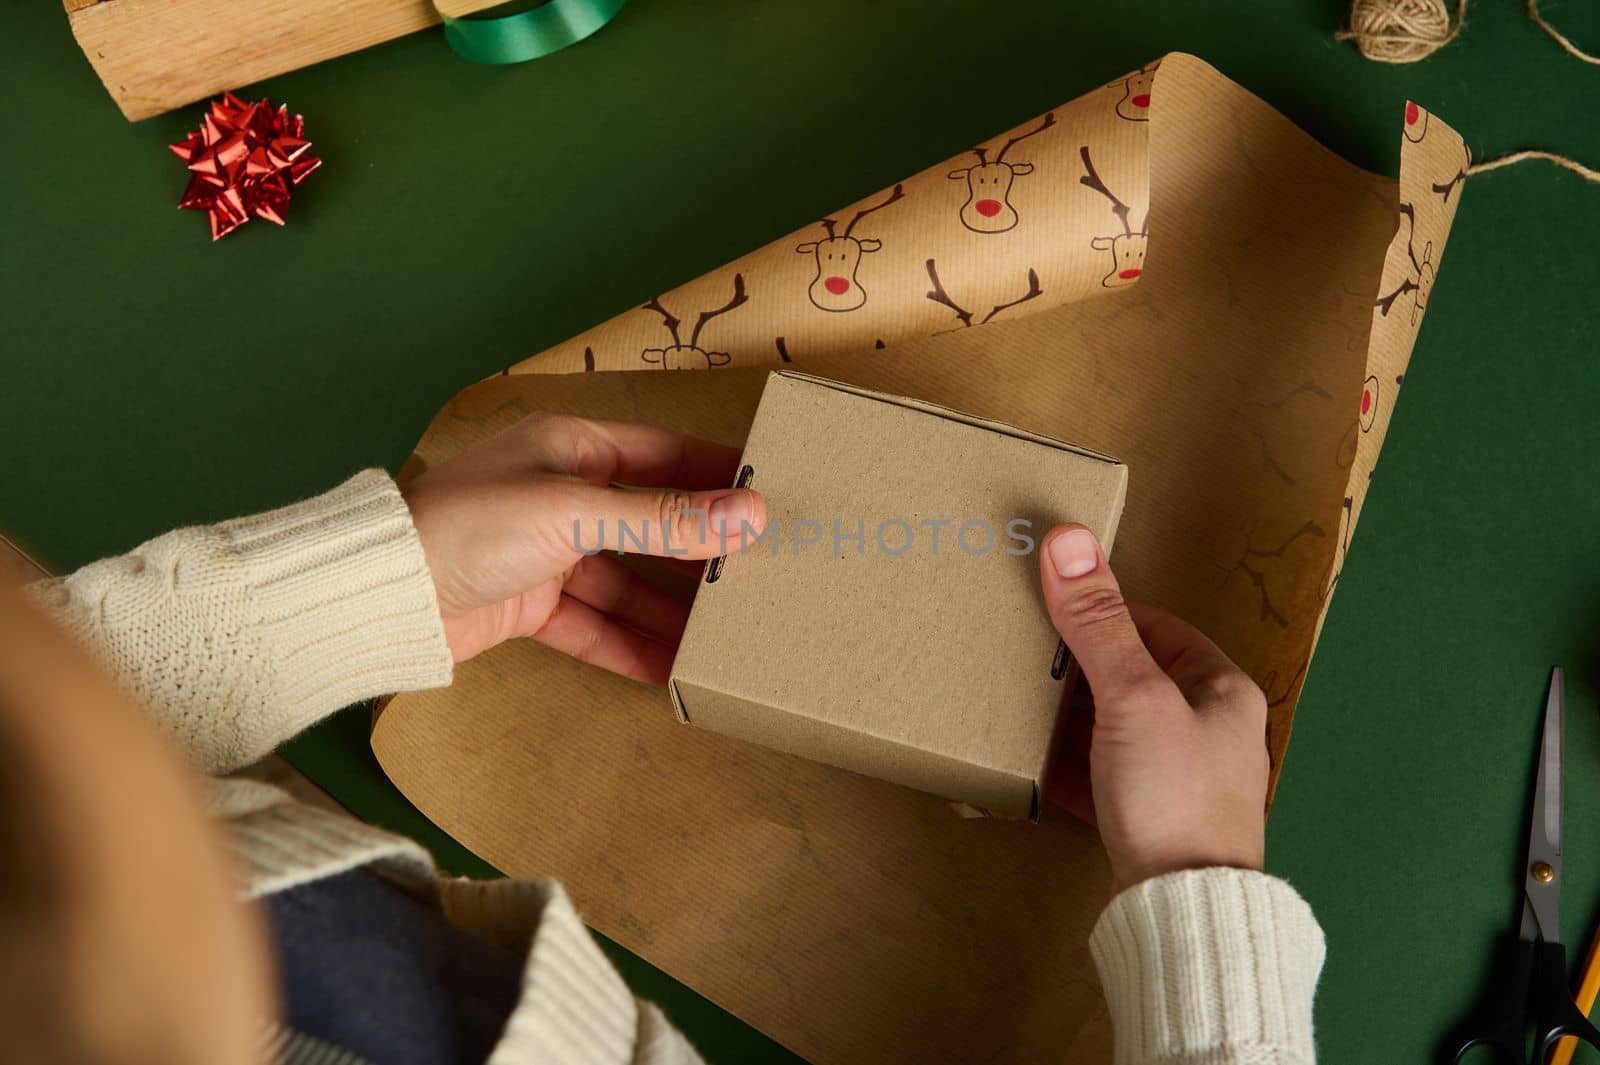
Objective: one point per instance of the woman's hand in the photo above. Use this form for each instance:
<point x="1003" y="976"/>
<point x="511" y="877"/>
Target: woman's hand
<point x="1177" y="757"/>
<point x="511" y="529"/>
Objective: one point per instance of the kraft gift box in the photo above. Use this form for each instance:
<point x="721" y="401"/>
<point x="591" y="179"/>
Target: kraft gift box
<point x="889" y="620"/>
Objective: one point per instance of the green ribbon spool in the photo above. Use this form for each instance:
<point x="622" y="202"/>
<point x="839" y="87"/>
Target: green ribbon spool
<point x="530" y="34"/>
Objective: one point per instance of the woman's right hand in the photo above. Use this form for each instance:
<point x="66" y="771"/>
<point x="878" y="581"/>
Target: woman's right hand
<point x="1178" y="765"/>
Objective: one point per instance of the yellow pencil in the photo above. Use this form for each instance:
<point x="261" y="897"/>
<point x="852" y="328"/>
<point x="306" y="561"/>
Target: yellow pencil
<point x="1588" y="988"/>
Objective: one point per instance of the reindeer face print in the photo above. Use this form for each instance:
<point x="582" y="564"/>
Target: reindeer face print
<point x="1127" y="257"/>
<point x="1128" y="247"/>
<point x="685" y="357"/>
<point x="690" y="356"/>
<point x="835" y="287"/>
<point x="1419" y="280"/>
<point x="1424" y="283"/>
<point x="988" y="208"/>
<point x="1416" y="126"/>
<point x="1369" y="403"/>
<point x="1135" y="103"/>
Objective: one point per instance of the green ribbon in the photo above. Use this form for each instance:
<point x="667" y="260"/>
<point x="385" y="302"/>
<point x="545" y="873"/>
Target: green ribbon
<point x="527" y="35"/>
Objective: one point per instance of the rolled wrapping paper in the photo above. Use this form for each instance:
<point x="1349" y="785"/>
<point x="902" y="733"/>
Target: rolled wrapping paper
<point x="1165" y="270"/>
<point x="1048" y="213"/>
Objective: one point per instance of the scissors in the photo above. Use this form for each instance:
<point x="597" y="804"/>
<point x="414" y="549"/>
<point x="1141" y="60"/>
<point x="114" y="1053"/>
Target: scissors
<point x="1539" y="999"/>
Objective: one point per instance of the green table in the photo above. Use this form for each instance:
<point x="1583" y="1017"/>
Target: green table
<point x="467" y="216"/>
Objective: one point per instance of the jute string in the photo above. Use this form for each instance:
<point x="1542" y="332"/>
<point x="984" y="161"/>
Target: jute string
<point x="1405" y="31"/>
<point x="1514" y="158"/>
<point x="1560" y="38"/>
<point x="1402" y="31"/>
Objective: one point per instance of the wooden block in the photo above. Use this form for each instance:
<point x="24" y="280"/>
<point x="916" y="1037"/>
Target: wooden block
<point x="155" y="55"/>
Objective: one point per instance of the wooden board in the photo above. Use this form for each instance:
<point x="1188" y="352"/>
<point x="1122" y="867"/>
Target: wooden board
<point x="155" y="55"/>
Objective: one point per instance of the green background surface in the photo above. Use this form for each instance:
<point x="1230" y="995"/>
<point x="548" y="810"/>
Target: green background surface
<point x="467" y="216"/>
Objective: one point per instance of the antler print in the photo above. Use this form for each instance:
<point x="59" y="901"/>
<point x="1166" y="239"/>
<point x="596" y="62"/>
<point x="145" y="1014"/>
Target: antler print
<point x="1127" y="248"/>
<point x="939" y="295"/>
<point x="1411" y="233"/>
<point x="681" y="356"/>
<point x="1049" y="120"/>
<point x="1446" y="188"/>
<point x="1386" y="303"/>
<point x="705" y="316"/>
<point x="1034" y="291"/>
<point x="964" y="316"/>
<point x="1422" y="282"/>
<point x="894" y="195"/>
<point x="667" y="318"/>
<point x="1092" y="180"/>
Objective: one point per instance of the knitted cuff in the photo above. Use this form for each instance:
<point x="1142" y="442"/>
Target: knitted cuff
<point x="236" y="636"/>
<point x="341" y="596"/>
<point x="1209" y="965"/>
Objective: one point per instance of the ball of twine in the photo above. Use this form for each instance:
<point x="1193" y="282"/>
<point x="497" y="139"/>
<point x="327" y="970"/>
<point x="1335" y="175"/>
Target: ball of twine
<point x="1404" y="31"/>
<point x="1401" y="31"/>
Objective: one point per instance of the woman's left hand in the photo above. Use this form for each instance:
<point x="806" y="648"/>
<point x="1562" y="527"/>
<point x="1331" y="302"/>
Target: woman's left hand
<point x="512" y="530"/>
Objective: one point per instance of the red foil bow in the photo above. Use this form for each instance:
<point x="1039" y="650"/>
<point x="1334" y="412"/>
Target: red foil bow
<point x="245" y="159"/>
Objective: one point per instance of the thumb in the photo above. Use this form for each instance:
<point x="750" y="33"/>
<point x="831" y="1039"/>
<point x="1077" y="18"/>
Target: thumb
<point x="663" y="521"/>
<point x="1088" y="610"/>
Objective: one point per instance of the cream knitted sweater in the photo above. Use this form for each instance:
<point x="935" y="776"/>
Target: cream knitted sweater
<point x="239" y="635"/>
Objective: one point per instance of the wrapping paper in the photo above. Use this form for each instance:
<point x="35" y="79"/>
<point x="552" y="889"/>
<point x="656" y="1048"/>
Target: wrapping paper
<point x="1165" y="270"/>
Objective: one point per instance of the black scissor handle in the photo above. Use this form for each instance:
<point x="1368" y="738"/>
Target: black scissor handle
<point x="1537" y="1001"/>
<point x="1557" y="1015"/>
<point x="1503" y="1028"/>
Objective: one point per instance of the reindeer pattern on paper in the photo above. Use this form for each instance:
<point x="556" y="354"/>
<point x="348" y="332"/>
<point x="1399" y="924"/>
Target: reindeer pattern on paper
<point x="1416" y="123"/>
<point x="1369" y="403"/>
<point x="968" y="318"/>
<point x="1128" y="247"/>
<point x="866" y="269"/>
<point x="1134" y="106"/>
<point x="690" y="356"/>
<point x="988" y="207"/>
<point x="1448" y="187"/>
<point x="838" y="257"/>
<point x="1418" y="282"/>
<point x="1433" y="169"/>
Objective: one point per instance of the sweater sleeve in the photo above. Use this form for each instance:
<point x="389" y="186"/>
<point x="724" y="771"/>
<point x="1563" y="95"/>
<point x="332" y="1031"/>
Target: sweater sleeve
<point x="1214" y="966"/>
<point x="575" y="1007"/>
<point x="238" y="635"/>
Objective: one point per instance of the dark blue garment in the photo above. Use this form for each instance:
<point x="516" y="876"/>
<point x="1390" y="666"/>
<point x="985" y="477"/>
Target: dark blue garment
<point x="369" y="969"/>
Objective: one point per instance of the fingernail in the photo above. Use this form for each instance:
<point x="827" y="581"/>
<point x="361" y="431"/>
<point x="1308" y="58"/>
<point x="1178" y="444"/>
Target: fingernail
<point x="728" y="514"/>
<point x="1074" y="552"/>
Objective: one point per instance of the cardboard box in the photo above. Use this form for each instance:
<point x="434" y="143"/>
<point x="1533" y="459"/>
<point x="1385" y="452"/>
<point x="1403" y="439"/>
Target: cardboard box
<point x="890" y="620"/>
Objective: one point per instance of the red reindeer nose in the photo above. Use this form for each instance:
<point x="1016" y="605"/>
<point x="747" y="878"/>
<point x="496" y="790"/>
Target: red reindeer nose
<point x="1129" y="274"/>
<point x="988" y="208"/>
<point x="837" y="285"/>
<point x="1412" y="114"/>
<point x="1366" y="401"/>
<point x="1142" y="100"/>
